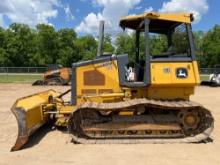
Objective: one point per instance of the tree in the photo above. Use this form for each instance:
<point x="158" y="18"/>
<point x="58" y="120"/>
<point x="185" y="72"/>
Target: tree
<point x="47" y="45"/>
<point x="211" y="47"/>
<point x="125" y="43"/>
<point x="198" y="40"/>
<point x="3" y="54"/>
<point x="158" y="44"/>
<point x="86" y="47"/>
<point x="22" y="46"/>
<point x="18" y="46"/>
<point x="108" y="47"/>
<point x="67" y="52"/>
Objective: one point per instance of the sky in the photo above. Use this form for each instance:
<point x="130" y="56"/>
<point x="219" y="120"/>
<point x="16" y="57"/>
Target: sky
<point x="84" y="15"/>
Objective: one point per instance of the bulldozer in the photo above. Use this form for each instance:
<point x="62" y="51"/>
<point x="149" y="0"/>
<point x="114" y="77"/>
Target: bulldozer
<point x="59" y="76"/>
<point x="114" y="101"/>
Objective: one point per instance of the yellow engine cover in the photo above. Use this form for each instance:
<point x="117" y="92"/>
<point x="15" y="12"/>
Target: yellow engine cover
<point x="170" y="74"/>
<point x="173" y="80"/>
<point x="94" y="80"/>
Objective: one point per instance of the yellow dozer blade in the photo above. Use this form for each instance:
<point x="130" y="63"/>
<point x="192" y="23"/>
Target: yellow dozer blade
<point x="30" y="116"/>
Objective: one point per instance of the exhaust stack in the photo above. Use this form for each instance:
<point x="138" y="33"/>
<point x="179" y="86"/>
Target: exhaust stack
<point x="101" y="38"/>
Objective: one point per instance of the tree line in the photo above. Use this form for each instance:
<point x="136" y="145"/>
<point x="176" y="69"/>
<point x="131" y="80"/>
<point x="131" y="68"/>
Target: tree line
<point x="22" y="46"/>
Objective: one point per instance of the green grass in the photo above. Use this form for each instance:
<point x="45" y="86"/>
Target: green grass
<point x="19" y="78"/>
<point x="204" y="77"/>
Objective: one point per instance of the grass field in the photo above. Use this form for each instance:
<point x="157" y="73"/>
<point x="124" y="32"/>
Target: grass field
<point x="204" y="77"/>
<point x="21" y="78"/>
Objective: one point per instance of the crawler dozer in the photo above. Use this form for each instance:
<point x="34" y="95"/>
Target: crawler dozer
<point x="115" y="100"/>
<point x="60" y="76"/>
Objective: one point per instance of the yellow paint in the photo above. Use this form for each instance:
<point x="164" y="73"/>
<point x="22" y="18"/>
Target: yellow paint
<point x="110" y="71"/>
<point x="178" y="17"/>
<point x="32" y="105"/>
<point x="170" y="93"/>
<point x="164" y="74"/>
<point x="62" y="120"/>
<point x="36" y="99"/>
<point x="105" y="95"/>
<point x="164" y="85"/>
<point x="67" y="109"/>
<point x="196" y="72"/>
<point x="126" y="113"/>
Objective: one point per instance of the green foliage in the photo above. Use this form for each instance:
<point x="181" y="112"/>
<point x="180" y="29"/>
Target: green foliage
<point x="108" y="47"/>
<point x="158" y="44"/>
<point x="208" y="47"/>
<point x="67" y="53"/>
<point x="211" y="47"/>
<point x="47" y="44"/>
<point x="86" y="47"/>
<point x="16" y="47"/>
<point x="126" y="44"/>
<point x="198" y="39"/>
<point x="21" y="45"/>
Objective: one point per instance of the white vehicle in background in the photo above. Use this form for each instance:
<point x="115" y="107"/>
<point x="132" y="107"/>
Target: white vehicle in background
<point x="214" y="79"/>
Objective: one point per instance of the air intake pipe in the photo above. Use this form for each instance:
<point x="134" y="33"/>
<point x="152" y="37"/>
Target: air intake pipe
<point x="101" y="38"/>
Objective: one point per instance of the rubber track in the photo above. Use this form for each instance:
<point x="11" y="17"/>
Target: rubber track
<point x="161" y="104"/>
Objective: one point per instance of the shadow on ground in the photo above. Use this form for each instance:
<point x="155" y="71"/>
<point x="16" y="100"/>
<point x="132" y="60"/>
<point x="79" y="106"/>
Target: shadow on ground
<point x="41" y="133"/>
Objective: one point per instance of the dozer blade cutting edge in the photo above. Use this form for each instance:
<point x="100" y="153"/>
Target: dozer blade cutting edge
<point x="29" y="115"/>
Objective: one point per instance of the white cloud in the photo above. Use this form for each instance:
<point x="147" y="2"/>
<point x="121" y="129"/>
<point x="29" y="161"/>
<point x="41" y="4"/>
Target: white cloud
<point x="1" y="21"/>
<point x="138" y="8"/>
<point x="32" y="12"/>
<point x="197" y="7"/>
<point x="149" y="9"/>
<point x="112" y="11"/>
<point x="68" y="12"/>
<point x="129" y="31"/>
<point x="90" y="23"/>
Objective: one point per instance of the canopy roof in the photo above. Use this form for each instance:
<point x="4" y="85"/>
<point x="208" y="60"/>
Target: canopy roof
<point x="160" y="22"/>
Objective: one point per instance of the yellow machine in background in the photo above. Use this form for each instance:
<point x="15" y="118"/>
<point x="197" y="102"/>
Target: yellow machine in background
<point x="58" y="76"/>
<point x="114" y="100"/>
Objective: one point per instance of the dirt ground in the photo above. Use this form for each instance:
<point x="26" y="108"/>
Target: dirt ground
<point x="52" y="146"/>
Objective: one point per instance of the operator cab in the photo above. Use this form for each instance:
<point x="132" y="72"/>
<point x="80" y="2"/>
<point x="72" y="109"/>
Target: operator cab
<point x="172" y="31"/>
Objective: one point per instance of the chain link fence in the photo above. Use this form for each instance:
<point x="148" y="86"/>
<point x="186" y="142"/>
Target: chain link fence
<point x="29" y="70"/>
<point x="207" y="71"/>
<point x="21" y="74"/>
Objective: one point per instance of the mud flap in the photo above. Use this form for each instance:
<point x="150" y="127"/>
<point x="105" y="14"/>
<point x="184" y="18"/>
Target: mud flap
<point x="29" y="115"/>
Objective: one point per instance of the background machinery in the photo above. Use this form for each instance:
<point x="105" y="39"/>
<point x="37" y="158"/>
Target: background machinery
<point x="113" y="101"/>
<point x="58" y="76"/>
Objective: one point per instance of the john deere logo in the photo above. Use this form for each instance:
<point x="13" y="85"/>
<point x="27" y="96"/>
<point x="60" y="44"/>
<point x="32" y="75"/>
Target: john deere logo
<point x="181" y="73"/>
